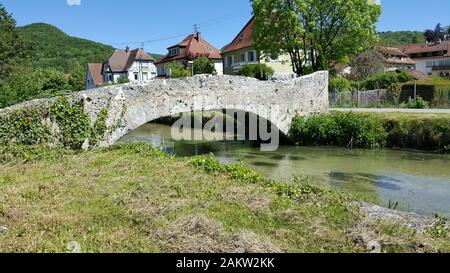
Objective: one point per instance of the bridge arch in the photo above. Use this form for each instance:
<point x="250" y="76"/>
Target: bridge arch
<point x="275" y="101"/>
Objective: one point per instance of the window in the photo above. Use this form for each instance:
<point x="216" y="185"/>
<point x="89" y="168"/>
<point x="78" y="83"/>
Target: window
<point x="251" y="56"/>
<point x="242" y="58"/>
<point x="230" y="61"/>
<point x="136" y="76"/>
<point x="174" y="51"/>
<point x="430" y="64"/>
<point x="145" y="76"/>
<point x="441" y="63"/>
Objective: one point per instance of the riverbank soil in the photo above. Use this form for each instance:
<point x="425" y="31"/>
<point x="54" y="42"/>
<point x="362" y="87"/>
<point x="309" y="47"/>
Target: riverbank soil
<point x="133" y="198"/>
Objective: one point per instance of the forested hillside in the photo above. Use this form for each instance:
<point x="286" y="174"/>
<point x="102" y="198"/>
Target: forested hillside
<point x="52" y="48"/>
<point x="396" y="38"/>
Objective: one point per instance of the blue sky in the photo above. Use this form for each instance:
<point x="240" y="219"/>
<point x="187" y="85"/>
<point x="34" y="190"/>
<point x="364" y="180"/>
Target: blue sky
<point x="114" y="22"/>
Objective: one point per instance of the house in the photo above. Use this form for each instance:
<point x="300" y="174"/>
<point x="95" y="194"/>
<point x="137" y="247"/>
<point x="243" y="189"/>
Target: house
<point x="396" y="59"/>
<point x="241" y="51"/>
<point x="94" y="77"/>
<point x="431" y="59"/>
<point x="134" y="65"/>
<point x="191" y="48"/>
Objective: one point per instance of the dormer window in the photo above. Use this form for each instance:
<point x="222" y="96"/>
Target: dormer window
<point x="174" y="51"/>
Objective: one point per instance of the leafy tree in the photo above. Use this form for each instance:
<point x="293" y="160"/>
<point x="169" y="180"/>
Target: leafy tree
<point x="314" y="32"/>
<point x="367" y="64"/>
<point x="77" y="78"/>
<point x="13" y="49"/>
<point x="203" y="66"/>
<point x="436" y="35"/>
<point x="429" y="35"/>
<point x="178" y="71"/>
<point x="259" y="71"/>
<point x="27" y="84"/>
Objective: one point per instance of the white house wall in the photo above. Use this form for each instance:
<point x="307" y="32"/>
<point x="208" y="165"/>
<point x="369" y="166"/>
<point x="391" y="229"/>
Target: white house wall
<point x="218" y="65"/>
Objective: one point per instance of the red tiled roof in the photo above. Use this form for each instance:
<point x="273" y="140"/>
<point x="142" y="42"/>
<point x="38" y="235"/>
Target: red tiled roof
<point x="193" y="46"/>
<point x="243" y="40"/>
<point x="96" y="72"/>
<point x="122" y="60"/>
<point x="425" y="48"/>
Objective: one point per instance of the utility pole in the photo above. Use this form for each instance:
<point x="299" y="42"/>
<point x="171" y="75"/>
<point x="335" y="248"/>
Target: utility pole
<point x="415" y="89"/>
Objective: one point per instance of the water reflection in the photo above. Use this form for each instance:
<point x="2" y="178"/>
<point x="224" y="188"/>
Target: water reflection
<point x="420" y="182"/>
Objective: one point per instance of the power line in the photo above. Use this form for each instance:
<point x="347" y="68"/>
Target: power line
<point x="196" y="29"/>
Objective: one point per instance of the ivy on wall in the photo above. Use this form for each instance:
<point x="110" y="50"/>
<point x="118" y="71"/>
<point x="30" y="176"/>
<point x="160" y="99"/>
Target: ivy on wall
<point x="26" y="126"/>
<point x="75" y="130"/>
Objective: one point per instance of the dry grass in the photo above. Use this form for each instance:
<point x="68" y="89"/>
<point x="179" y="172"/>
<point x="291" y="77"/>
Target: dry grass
<point x="124" y="200"/>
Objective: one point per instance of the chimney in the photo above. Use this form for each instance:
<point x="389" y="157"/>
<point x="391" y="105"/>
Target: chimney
<point x="198" y="36"/>
<point x="127" y="49"/>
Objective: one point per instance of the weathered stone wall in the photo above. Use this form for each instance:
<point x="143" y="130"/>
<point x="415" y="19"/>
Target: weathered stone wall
<point x="132" y="105"/>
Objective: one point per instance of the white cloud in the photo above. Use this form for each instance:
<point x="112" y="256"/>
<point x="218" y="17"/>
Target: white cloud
<point x="74" y="2"/>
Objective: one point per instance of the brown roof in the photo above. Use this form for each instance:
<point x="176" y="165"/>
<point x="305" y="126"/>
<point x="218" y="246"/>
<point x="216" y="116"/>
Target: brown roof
<point x="96" y="72"/>
<point x="392" y="51"/>
<point x="417" y="75"/>
<point x="243" y="40"/>
<point x="122" y="60"/>
<point x="425" y="48"/>
<point x="407" y="61"/>
<point x="193" y="46"/>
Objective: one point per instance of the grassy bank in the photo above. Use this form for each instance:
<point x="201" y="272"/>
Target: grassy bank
<point x="371" y="130"/>
<point x="133" y="198"/>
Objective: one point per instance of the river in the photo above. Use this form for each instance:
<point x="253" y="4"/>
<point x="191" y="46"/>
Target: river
<point x="418" y="181"/>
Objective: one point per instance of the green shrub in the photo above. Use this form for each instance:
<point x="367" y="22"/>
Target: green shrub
<point x="122" y="80"/>
<point x="178" y="71"/>
<point x="339" y="84"/>
<point x="202" y="65"/>
<point x="384" y="80"/>
<point x="259" y="71"/>
<point x="371" y="131"/>
<point x="340" y="129"/>
<point x="417" y="103"/>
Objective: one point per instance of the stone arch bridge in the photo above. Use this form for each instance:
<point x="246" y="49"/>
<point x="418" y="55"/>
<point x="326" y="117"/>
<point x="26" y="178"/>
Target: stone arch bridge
<point x="135" y="104"/>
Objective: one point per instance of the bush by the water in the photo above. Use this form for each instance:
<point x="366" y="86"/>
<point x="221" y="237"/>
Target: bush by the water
<point x="259" y="71"/>
<point x="339" y="129"/>
<point x="372" y="131"/>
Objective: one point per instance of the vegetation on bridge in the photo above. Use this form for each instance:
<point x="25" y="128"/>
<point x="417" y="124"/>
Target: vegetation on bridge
<point x="75" y="129"/>
<point x="133" y="198"/>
